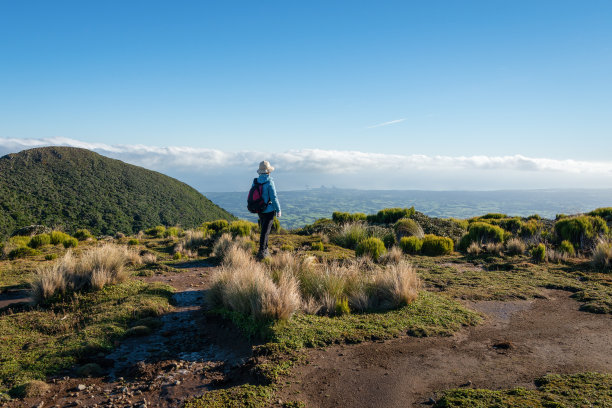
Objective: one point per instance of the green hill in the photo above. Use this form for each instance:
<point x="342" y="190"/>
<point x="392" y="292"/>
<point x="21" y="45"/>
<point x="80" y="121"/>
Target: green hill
<point x="77" y="188"/>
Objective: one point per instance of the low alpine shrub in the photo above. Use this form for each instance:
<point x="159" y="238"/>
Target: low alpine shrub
<point x="70" y="242"/>
<point x="156" y="232"/>
<point x="344" y="217"/>
<point x="411" y="245"/>
<point x="22" y="252"/>
<point x="580" y="230"/>
<point x="133" y="241"/>
<point x="567" y="248"/>
<point x="435" y="246"/>
<point x="240" y="228"/>
<point x="391" y="215"/>
<point x="371" y="247"/>
<point x="58" y="237"/>
<point x="539" y="253"/>
<point x="82" y="234"/>
<point x="605" y="213"/>
<point x="39" y="240"/>
<point x="317" y="246"/>
<point x="481" y="232"/>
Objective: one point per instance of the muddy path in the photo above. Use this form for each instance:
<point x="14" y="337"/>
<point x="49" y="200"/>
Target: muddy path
<point x="188" y="355"/>
<point x="518" y="342"/>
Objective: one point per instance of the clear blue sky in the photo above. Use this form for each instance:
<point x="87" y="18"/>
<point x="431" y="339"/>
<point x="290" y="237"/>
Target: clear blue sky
<point x="458" y="77"/>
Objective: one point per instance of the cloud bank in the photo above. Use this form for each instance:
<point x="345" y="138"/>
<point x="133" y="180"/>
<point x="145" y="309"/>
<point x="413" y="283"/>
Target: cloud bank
<point x="347" y="168"/>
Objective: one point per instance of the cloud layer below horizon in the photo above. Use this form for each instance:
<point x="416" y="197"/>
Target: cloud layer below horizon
<point x="351" y="169"/>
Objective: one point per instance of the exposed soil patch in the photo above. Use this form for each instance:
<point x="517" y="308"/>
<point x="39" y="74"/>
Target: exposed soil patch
<point x="14" y="296"/>
<point x="519" y="341"/>
<point x="188" y="355"/>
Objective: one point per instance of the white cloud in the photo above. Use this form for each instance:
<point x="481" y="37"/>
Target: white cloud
<point x="347" y="168"/>
<point x="391" y="122"/>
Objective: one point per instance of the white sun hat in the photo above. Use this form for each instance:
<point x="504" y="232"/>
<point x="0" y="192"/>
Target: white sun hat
<point x="264" y="167"/>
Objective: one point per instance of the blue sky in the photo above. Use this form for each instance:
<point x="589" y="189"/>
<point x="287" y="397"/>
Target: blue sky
<point x="434" y="78"/>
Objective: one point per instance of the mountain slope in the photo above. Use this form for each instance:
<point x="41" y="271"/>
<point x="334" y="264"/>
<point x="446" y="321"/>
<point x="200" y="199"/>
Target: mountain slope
<point x="77" y="188"/>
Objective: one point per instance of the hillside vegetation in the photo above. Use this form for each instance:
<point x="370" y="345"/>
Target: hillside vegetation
<point x="76" y="188"/>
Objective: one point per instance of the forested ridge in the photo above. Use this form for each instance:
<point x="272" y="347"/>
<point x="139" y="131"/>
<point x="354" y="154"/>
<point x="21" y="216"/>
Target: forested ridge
<point x="76" y="188"/>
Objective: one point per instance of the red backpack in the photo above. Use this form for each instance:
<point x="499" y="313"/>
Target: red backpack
<point x="255" y="201"/>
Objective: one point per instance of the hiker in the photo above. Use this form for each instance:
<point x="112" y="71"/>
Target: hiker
<point x="272" y="206"/>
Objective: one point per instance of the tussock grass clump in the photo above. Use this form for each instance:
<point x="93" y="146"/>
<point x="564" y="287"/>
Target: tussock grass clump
<point x="190" y="243"/>
<point x="350" y="235"/>
<point x="396" y="285"/>
<point x="39" y="240"/>
<point x="407" y="227"/>
<point x="474" y="249"/>
<point x="371" y="247"/>
<point x="515" y="246"/>
<point x="31" y="389"/>
<point x="393" y="256"/>
<point x="495" y="248"/>
<point x="411" y="245"/>
<point x="602" y="255"/>
<point x="435" y="246"/>
<point x="96" y="268"/>
<point x="225" y="242"/>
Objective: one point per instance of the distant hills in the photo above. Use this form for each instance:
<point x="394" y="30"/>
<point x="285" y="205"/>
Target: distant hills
<point x="305" y="206"/>
<point x="77" y="188"/>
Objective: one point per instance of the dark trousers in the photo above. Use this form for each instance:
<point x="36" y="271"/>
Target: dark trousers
<point x="265" y="223"/>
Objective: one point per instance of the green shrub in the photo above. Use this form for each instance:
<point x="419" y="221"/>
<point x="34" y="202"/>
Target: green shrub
<point x="388" y="238"/>
<point x="534" y="217"/>
<point x="391" y="215"/>
<point x="567" y="248"/>
<point x="58" y="237"/>
<point x="407" y="227"/>
<point x="22" y="252"/>
<point x="539" y="253"/>
<point x="172" y="232"/>
<point x="70" y="242"/>
<point x="580" y="230"/>
<point x="435" y="246"/>
<point x="481" y="232"/>
<point x="531" y="228"/>
<point x="133" y="241"/>
<point x="19" y="240"/>
<point x="217" y="226"/>
<point x="342" y="306"/>
<point x="39" y="240"/>
<point x="605" y="213"/>
<point x="344" y="217"/>
<point x="156" y="232"/>
<point x="461" y="223"/>
<point x="50" y="257"/>
<point x="82" y="234"/>
<point x="372" y="247"/>
<point x="177" y="256"/>
<point x="276" y="227"/>
<point x="493" y="216"/>
<point x="317" y="246"/>
<point x="411" y="245"/>
<point x="510" y="224"/>
<point x="287" y="248"/>
<point x="241" y="228"/>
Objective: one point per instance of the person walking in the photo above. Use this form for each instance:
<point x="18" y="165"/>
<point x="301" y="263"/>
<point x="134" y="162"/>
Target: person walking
<point x="266" y="217"/>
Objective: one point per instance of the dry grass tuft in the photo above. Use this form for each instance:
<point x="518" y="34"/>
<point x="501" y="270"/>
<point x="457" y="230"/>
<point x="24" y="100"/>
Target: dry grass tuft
<point x="149" y="258"/>
<point x="396" y="285"/>
<point x="496" y="248"/>
<point x="474" y="249"/>
<point x="96" y="268"/>
<point x="393" y="256"/>
<point x="516" y="246"/>
<point x="602" y="255"/>
<point x="189" y="244"/>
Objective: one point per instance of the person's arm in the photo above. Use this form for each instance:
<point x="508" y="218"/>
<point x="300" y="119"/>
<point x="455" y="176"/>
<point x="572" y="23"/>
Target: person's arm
<point x="274" y="198"/>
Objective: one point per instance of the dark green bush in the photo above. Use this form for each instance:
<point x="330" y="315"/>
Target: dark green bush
<point x="388" y="238"/>
<point x="217" y="225"/>
<point x="39" y="240"/>
<point x="580" y="230"/>
<point x="372" y="247"/>
<point x="605" y="213"/>
<point x="82" y="234"/>
<point x="435" y="246"/>
<point x="510" y="224"/>
<point x="493" y="216"/>
<point x="22" y="252"/>
<point x="172" y="232"/>
<point x="70" y="242"/>
<point x="411" y="245"/>
<point x="156" y="232"/>
<point x="391" y="215"/>
<point x="287" y="248"/>
<point x="276" y="227"/>
<point x="481" y="232"/>
<point x="539" y="253"/>
<point x="50" y="257"/>
<point x="531" y="228"/>
<point x="534" y="217"/>
<point x="344" y="217"/>
<point x="407" y="227"/>
<point x="133" y="241"/>
<point x="58" y="237"/>
<point x="567" y="248"/>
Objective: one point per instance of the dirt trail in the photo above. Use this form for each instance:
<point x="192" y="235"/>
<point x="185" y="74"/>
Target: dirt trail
<point x="519" y="341"/>
<point x="187" y="356"/>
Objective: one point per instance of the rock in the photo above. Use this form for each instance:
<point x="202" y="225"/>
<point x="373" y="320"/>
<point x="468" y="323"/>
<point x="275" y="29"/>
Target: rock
<point x="41" y="404"/>
<point x="81" y="387"/>
<point x="177" y="382"/>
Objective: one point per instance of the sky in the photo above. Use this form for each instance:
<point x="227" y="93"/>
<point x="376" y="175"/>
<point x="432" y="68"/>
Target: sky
<point x="437" y="95"/>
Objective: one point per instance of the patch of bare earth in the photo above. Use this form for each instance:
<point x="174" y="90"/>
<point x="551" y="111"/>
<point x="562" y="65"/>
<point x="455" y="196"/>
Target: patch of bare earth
<point x="519" y="341"/>
<point x="190" y="354"/>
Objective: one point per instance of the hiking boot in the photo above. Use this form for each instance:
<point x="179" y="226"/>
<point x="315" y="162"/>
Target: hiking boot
<point x="262" y="255"/>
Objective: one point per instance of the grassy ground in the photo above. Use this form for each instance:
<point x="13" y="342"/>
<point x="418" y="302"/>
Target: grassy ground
<point x="580" y="390"/>
<point x="38" y="342"/>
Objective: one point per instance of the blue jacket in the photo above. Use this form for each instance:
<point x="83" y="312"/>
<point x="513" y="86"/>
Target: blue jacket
<point x="269" y="193"/>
